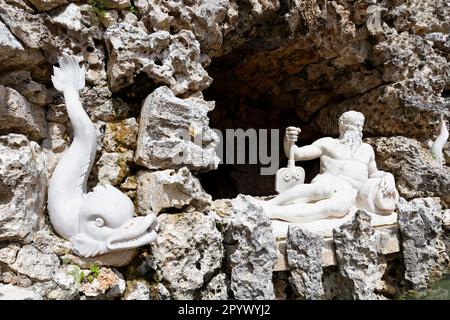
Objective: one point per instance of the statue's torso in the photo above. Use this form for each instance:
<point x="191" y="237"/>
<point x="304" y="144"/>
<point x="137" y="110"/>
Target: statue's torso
<point x="339" y="160"/>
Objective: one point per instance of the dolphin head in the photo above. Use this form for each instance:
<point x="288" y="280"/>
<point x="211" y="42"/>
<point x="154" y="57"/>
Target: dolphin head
<point x="106" y="223"/>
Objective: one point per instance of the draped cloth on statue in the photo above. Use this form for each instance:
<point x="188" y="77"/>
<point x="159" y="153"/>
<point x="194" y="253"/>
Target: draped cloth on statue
<point x="372" y="198"/>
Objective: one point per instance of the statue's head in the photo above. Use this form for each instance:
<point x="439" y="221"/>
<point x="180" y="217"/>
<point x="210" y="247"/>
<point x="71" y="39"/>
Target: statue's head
<point x="106" y="223"/>
<point x="351" y="120"/>
<point x="351" y="125"/>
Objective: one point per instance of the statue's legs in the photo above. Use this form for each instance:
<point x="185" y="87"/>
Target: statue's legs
<point x="335" y="207"/>
<point x="328" y="196"/>
<point x="306" y="192"/>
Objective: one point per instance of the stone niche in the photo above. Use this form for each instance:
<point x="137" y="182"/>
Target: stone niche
<point x="309" y="76"/>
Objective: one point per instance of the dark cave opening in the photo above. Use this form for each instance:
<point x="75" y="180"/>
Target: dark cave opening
<point x="241" y="104"/>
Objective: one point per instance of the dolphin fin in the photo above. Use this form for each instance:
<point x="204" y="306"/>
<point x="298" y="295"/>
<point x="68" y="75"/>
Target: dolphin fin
<point x="86" y="246"/>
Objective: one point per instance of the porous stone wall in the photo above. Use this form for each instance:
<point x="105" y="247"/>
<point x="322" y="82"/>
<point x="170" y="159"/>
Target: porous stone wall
<point x="154" y="66"/>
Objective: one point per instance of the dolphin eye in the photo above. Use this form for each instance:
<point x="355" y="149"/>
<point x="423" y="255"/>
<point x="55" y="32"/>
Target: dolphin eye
<point x="99" y="222"/>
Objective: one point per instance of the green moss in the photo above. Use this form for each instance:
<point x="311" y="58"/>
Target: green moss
<point x="98" y="6"/>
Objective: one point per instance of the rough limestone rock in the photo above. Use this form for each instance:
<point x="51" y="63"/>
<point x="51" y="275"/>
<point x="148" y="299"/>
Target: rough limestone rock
<point x="217" y="288"/>
<point x="30" y="29"/>
<point x="424" y="256"/>
<point x="33" y="91"/>
<point x="188" y="251"/>
<point x="137" y="290"/>
<point x="35" y="264"/>
<point x="113" y="167"/>
<point x="120" y="136"/>
<point x="57" y="139"/>
<point x="356" y="254"/>
<point x="205" y="18"/>
<point x="11" y="292"/>
<point x="254" y="254"/>
<point x="165" y="189"/>
<point x="8" y="253"/>
<point x="108" y="284"/>
<point x="163" y="57"/>
<point x="19" y="116"/>
<point x="70" y="17"/>
<point x="416" y="172"/>
<point x="304" y="253"/>
<point x="12" y="52"/>
<point x="46" y="5"/>
<point x="22" y="187"/>
<point x="168" y="128"/>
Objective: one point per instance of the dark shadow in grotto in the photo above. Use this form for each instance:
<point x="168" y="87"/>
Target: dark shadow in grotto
<point x="6" y="194"/>
<point x="259" y="103"/>
<point x="135" y="94"/>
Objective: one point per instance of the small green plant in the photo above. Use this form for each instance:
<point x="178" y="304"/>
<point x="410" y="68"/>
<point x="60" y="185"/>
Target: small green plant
<point x="132" y="9"/>
<point x="99" y="7"/>
<point x="94" y="271"/>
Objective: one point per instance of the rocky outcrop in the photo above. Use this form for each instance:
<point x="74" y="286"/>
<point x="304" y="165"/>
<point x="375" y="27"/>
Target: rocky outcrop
<point x="165" y="189"/>
<point x="11" y="292"/>
<point x="137" y="290"/>
<point x="107" y="284"/>
<point x="254" y="255"/>
<point x="187" y="252"/>
<point x="163" y="57"/>
<point x="424" y="254"/>
<point x="19" y="116"/>
<point x="35" y="264"/>
<point x="415" y="171"/>
<point x="22" y="187"/>
<point x="166" y="129"/>
<point x="46" y="5"/>
<point x="120" y="136"/>
<point x="113" y="167"/>
<point x="356" y="255"/>
<point x="304" y="253"/>
<point x="217" y="288"/>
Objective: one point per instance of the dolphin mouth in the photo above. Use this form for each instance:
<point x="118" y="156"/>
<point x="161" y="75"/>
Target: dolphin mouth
<point x="134" y="233"/>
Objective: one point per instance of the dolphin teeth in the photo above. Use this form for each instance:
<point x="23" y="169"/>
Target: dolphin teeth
<point x="127" y="242"/>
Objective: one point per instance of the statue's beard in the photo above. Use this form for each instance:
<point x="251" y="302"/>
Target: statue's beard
<point x="352" y="139"/>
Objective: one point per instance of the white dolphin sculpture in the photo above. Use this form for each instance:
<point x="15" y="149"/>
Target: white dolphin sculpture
<point x="101" y="221"/>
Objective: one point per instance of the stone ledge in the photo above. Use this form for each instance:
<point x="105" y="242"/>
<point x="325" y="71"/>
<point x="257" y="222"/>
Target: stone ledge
<point x="386" y="232"/>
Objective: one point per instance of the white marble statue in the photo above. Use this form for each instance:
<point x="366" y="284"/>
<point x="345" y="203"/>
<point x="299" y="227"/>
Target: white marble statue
<point x="348" y="177"/>
<point x="100" y="222"/>
<point x="439" y="143"/>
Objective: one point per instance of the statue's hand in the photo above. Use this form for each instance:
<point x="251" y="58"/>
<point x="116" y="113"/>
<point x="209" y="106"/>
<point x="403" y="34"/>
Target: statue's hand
<point x="69" y="75"/>
<point x="387" y="184"/>
<point x="292" y="134"/>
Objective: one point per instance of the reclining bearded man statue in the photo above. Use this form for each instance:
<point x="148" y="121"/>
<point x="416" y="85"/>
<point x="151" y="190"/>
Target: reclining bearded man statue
<point x="348" y="177"/>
